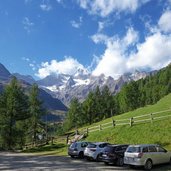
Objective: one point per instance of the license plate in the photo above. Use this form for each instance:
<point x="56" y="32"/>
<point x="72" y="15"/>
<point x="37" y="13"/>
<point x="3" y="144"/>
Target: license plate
<point x="130" y="159"/>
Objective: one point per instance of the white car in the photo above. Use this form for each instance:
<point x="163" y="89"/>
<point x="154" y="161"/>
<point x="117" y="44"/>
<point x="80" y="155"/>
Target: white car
<point x="146" y="155"/>
<point x="94" y="150"/>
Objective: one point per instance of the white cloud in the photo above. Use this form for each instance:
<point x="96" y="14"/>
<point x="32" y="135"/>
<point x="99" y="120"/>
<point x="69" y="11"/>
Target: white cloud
<point x="104" y="7"/>
<point x="77" y="24"/>
<point x="33" y="67"/>
<point x="27" y="24"/>
<point x="113" y="61"/>
<point x="59" y="1"/>
<point x="153" y="53"/>
<point x="131" y="37"/>
<point x="67" y="66"/>
<point x="100" y="38"/>
<point x="164" y="21"/>
<point x="25" y="59"/>
<point x="45" y="6"/>
<point x="101" y="26"/>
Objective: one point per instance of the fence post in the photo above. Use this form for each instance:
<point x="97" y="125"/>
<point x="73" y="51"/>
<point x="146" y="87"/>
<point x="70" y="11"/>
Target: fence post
<point x="87" y="131"/>
<point x="131" y="121"/>
<point x="113" y="122"/>
<point x="100" y="127"/>
<point x="151" y="115"/>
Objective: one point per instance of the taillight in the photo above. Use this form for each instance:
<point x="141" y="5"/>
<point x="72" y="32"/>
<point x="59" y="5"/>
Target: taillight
<point x="140" y="155"/>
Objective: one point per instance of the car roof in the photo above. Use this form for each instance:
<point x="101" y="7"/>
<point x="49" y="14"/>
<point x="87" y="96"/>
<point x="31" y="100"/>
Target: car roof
<point x="116" y="145"/>
<point x="82" y="142"/>
<point x="143" y="145"/>
<point x="98" y="143"/>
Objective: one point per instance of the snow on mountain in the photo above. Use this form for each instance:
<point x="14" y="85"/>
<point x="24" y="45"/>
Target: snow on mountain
<point x="66" y="87"/>
<point x="81" y="74"/>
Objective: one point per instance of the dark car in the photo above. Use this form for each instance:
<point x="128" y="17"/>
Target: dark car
<point x="114" y="154"/>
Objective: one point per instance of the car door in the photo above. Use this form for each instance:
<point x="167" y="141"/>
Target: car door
<point x="164" y="156"/>
<point x="153" y="154"/>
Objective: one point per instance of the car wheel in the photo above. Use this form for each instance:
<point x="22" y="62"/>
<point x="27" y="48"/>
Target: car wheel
<point x="131" y="166"/>
<point x="88" y="158"/>
<point x="106" y="163"/>
<point x="120" y="161"/>
<point x="98" y="157"/>
<point x="148" y="165"/>
<point x="81" y="155"/>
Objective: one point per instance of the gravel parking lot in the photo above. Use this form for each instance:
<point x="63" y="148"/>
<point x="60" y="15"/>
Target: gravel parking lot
<point x="18" y="161"/>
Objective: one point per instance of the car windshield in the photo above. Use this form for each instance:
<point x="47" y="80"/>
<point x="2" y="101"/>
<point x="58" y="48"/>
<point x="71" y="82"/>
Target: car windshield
<point x="134" y="149"/>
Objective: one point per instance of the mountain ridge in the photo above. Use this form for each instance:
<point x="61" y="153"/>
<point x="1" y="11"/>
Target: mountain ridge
<point x="82" y="82"/>
<point x="50" y="103"/>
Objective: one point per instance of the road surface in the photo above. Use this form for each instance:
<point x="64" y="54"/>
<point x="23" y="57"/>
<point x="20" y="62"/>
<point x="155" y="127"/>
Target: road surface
<point x="24" y="162"/>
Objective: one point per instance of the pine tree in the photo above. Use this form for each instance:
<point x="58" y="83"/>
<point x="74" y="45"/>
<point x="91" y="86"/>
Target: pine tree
<point x="13" y="108"/>
<point x="36" y="111"/>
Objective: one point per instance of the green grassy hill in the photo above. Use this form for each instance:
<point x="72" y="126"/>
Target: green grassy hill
<point x="157" y="132"/>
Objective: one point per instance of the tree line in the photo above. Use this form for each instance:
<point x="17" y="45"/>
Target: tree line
<point x="20" y="115"/>
<point x="101" y="104"/>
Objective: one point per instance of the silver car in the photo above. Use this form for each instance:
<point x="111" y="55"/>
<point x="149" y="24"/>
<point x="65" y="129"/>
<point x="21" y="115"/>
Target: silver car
<point x="76" y="149"/>
<point x="94" y="150"/>
<point x="146" y="155"/>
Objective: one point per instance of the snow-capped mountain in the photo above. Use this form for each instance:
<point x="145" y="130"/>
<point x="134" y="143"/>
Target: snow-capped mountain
<point x="56" y="110"/>
<point x="66" y="87"/>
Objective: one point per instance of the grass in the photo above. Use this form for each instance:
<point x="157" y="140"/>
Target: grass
<point x="58" y="148"/>
<point x="158" y="132"/>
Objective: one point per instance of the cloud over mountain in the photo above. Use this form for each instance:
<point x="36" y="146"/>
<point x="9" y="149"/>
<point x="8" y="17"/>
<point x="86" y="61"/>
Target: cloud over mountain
<point x="67" y="66"/>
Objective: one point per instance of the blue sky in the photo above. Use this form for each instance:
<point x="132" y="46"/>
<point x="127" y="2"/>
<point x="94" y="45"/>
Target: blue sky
<point x="43" y="37"/>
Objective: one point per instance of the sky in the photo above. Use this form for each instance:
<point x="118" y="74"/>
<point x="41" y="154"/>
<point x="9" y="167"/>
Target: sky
<point x="111" y="37"/>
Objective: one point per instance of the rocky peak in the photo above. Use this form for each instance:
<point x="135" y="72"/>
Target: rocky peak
<point x="70" y="82"/>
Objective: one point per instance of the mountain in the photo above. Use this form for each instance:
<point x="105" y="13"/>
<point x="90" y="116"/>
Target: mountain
<point x="56" y="109"/>
<point x="4" y="73"/>
<point x="66" y="87"/>
<point x="26" y="78"/>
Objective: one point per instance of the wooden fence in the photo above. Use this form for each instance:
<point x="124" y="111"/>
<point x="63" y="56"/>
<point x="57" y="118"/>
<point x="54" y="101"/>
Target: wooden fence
<point x="130" y="121"/>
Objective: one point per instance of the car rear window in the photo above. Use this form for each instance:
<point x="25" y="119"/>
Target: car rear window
<point x="73" y="145"/>
<point x="108" y="149"/>
<point x="92" y="146"/>
<point x="134" y="149"/>
<point x="103" y="145"/>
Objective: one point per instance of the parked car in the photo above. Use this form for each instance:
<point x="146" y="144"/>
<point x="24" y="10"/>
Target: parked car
<point x="114" y="154"/>
<point x="76" y="149"/>
<point x="93" y="150"/>
<point x="146" y="155"/>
